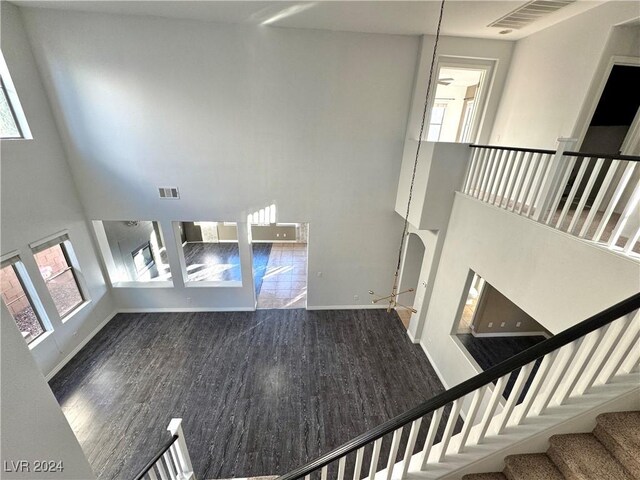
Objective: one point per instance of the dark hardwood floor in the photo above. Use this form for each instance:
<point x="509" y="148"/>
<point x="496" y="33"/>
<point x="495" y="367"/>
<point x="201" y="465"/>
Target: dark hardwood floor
<point x="489" y="351"/>
<point x="260" y="393"/>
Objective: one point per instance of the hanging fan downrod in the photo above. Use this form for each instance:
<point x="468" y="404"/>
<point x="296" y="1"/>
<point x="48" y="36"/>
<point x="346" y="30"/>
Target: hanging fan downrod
<point x="392" y="299"/>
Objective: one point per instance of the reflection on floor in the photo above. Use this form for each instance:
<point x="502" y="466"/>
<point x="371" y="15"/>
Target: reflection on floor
<point x="285" y="280"/>
<point x="260" y="393"/>
<point x="489" y="351"/>
<point x="213" y="262"/>
<point x="405" y="316"/>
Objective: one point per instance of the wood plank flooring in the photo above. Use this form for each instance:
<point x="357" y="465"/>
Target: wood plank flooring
<point x="260" y="393"/>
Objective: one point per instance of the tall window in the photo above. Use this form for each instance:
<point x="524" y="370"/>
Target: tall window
<point x="13" y="124"/>
<point x="60" y="275"/>
<point x="435" y="122"/>
<point x="18" y="296"/>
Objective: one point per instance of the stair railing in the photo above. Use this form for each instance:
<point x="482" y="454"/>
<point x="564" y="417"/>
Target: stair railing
<point x="172" y="462"/>
<point x="589" y="195"/>
<point x="568" y="364"/>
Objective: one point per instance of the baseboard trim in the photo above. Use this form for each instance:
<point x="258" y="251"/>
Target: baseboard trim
<point x="185" y="310"/>
<point x="80" y="346"/>
<point x="511" y="334"/>
<point x="435" y="367"/>
<point x="347" y="307"/>
<point x="411" y="337"/>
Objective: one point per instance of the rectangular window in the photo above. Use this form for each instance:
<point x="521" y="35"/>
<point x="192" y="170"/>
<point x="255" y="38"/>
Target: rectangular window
<point x="59" y="274"/>
<point x="435" y="122"/>
<point x="13" y="124"/>
<point x="14" y="284"/>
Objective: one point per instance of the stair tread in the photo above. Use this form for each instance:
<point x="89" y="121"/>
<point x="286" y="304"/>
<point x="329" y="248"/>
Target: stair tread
<point x="619" y="432"/>
<point x="485" y="476"/>
<point x="535" y="466"/>
<point x="581" y="456"/>
<point x="624" y="427"/>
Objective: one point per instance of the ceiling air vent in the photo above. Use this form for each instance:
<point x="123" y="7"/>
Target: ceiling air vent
<point x="168" y="192"/>
<point x="529" y="13"/>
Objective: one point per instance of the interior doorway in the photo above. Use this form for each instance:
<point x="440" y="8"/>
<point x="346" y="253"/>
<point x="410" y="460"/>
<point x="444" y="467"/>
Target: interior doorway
<point x="459" y="101"/>
<point x="279" y="262"/>
<point x="410" y="277"/>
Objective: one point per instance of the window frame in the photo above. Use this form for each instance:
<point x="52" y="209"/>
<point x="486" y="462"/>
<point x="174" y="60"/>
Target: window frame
<point x="9" y="90"/>
<point x="14" y="261"/>
<point x="437" y="104"/>
<point x="62" y="239"/>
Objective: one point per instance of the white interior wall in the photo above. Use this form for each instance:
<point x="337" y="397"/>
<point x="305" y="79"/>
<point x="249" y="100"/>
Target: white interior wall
<point x="38" y="199"/>
<point x="237" y="117"/>
<point x="33" y="426"/>
<point x="553" y="75"/>
<point x="530" y="264"/>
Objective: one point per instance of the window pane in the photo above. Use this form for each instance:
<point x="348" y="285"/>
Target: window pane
<point x="18" y="304"/>
<point x="58" y="275"/>
<point x="8" y="127"/>
<point x="437" y="114"/>
<point x="434" y="133"/>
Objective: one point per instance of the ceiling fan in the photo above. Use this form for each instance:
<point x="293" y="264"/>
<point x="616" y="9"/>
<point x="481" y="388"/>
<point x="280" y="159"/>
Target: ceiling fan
<point x="445" y="81"/>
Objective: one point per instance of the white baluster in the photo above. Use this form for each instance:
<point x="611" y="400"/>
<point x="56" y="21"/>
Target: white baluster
<point x="567" y="168"/>
<point x="517" y="161"/>
<point x="530" y="177"/>
<point x="506" y="178"/>
<point x="622" y="184"/>
<point x="585" y="194"/>
<point x="341" y="465"/>
<point x="602" y="191"/>
<point x="514" y="395"/>
<point x="411" y="443"/>
<point x="173" y="474"/>
<point x="536" y="191"/>
<point x="373" y="467"/>
<point x="498" y="176"/>
<point x="614" y="332"/>
<point x="307" y="477"/>
<point x="583" y="360"/>
<point x="622" y="351"/>
<point x="357" y="469"/>
<point x="323" y="472"/>
<point x="175" y="428"/>
<point x="161" y="470"/>
<point x="552" y="181"/>
<point x="527" y="158"/>
<point x="393" y="453"/>
<point x="473" y="163"/>
<point x="491" y="408"/>
<point x="560" y="369"/>
<point x="495" y="175"/>
<point x="174" y="457"/>
<point x="626" y="214"/>
<point x="431" y="435"/>
<point x="477" y="176"/>
<point x="152" y="474"/>
<point x="538" y="381"/>
<point x="633" y="239"/>
<point x="476" y="401"/>
<point x="572" y="193"/>
<point x="448" y="431"/>
<point x="486" y="176"/>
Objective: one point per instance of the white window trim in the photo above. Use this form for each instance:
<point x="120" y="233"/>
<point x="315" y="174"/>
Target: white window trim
<point x="14" y="101"/>
<point x="64" y="238"/>
<point x="32" y="295"/>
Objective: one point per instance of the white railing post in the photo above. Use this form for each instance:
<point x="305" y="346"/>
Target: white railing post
<point x="184" y="461"/>
<point x="550" y="182"/>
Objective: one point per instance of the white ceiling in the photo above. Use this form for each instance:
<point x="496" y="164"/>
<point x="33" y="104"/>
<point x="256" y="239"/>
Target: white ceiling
<point x="467" y="18"/>
<point x="461" y="77"/>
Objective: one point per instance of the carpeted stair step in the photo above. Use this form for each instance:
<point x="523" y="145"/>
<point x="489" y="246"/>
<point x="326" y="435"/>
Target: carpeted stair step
<point x="535" y="466"/>
<point x="582" y="457"/>
<point x="619" y="432"/>
<point x="484" y="476"/>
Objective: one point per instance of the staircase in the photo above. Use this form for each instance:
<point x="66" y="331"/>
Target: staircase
<point x="610" y="452"/>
